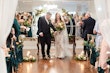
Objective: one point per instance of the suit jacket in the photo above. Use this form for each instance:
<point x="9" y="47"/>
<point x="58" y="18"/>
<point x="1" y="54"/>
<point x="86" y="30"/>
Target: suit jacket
<point x="88" y="26"/>
<point x="44" y="27"/>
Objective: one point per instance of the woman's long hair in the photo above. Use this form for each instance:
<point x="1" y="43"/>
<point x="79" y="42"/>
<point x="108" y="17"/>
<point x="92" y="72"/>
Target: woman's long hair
<point x="56" y="18"/>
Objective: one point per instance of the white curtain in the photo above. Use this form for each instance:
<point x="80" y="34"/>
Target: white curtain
<point x="103" y="16"/>
<point x="7" y="12"/>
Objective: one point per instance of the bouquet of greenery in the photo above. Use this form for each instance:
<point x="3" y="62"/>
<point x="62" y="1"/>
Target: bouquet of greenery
<point x="60" y="26"/>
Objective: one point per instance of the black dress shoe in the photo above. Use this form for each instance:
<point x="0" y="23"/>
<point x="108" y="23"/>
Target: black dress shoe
<point x="49" y="56"/>
<point x="44" y="58"/>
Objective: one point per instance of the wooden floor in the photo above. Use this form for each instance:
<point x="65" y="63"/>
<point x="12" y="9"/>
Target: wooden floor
<point x="56" y="66"/>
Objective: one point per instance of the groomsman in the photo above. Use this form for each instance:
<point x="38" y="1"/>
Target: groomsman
<point x="88" y="26"/>
<point x="44" y="33"/>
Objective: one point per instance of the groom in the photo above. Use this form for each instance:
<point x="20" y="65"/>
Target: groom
<point x="44" y="33"/>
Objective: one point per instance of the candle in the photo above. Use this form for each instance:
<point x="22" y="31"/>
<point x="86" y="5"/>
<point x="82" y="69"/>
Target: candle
<point x="28" y="53"/>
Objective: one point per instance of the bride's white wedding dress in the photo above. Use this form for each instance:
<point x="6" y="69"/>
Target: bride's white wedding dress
<point x="62" y="44"/>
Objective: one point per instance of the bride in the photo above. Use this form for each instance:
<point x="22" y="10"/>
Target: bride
<point x="61" y="39"/>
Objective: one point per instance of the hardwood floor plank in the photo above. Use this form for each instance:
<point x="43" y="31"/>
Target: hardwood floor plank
<point x="56" y="66"/>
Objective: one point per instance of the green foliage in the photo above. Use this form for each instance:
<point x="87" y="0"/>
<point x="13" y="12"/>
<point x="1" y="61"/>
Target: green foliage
<point x="66" y="12"/>
<point x="27" y="59"/>
<point x="81" y="58"/>
<point x="26" y="24"/>
<point x="38" y="12"/>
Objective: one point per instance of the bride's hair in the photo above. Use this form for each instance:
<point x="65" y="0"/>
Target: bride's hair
<point x="59" y="17"/>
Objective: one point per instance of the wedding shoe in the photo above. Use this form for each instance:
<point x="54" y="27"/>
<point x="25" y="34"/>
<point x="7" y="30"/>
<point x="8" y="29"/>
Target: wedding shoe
<point x="44" y="58"/>
<point x="49" y="57"/>
<point x="60" y="57"/>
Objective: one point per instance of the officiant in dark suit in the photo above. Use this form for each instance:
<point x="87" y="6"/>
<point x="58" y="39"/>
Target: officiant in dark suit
<point x="44" y="33"/>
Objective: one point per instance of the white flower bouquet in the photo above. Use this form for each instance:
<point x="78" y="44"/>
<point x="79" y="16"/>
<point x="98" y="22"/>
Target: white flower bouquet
<point x="81" y="57"/>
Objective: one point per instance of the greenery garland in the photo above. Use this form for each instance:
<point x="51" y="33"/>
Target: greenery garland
<point x="38" y="12"/>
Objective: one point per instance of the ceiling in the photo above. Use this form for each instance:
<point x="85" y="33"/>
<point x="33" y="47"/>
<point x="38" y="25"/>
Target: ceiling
<point x="70" y="5"/>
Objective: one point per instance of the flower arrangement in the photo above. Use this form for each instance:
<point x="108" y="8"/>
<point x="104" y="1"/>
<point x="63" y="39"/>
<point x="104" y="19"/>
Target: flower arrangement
<point x="29" y="58"/>
<point x="89" y="43"/>
<point x="60" y="26"/>
<point x="38" y="12"/>
<point x="66" y="13"/>
<point x="81" y="57"/>
<point x="26" y="23"/>
<point x="25" y="18"/>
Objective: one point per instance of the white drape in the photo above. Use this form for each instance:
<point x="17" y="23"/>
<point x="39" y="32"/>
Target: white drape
<point x="7" y="12"/>
<point x="103" y="15"/>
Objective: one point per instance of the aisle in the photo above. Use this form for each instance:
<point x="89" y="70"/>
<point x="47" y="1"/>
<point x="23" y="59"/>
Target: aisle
<point x="56" y="66"/>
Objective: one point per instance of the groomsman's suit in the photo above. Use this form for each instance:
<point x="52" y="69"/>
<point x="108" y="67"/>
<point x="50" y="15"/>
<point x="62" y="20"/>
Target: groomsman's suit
<point x="44" y="27"/>
<point x="88" y="27"/>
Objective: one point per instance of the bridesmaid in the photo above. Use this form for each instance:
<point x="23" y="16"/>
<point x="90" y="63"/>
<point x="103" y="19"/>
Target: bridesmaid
<point x="105" y="45"/>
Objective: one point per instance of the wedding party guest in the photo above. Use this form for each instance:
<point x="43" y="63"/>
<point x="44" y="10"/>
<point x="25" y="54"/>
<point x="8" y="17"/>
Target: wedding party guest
<point x="67" y="22"/>
<point x="97" y="32"/>
<point x="105" y="45"/>
<point x="88" y="26"/>
<point x="77" y="32"/>
<point x="74" y="34"/>
<point x="11" y="42"/>
<point x="11" y="37"/>
<point x="61" y="39"/>
<point x="82" y="24"/>
<point x="76" y="17"/>
<point x="44" y="33"/>
<point x="17" y="27"/>
<point x="78" y="26"/>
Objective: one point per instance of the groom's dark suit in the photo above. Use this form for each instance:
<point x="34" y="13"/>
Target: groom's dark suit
<point x="44" y="27"/>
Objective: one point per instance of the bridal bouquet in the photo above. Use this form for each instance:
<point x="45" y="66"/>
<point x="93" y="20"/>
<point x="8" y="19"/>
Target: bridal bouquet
<point x="60" y="26"/>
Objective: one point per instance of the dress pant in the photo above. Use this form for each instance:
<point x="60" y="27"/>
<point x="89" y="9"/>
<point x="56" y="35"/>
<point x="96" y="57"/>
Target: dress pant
<point x="45" y="40"/>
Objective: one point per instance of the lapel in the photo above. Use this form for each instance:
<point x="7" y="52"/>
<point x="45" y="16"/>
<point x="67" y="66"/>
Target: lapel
<point x="46" y="21"/>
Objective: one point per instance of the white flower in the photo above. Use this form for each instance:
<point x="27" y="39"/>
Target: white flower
<point x="84" y="58"/>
